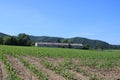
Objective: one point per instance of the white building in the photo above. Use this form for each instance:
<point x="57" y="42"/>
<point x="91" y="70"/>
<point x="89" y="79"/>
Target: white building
<point x="64" y="45"/>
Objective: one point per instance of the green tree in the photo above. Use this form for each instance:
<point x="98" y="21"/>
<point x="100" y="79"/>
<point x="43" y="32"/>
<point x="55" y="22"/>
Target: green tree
<point x="58" y="41"/>
<point x="85" y="46"/>
<point x="23" y="40"/>
<point x="1" y="40"/>
<point x="65" y="41"/>
<point x="13" y="40"/>
<point x="10" y="40"/>
<point x="69" y="43"/>
<point x="7" y="40"/>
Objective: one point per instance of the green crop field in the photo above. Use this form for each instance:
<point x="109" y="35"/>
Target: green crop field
<point x="35" y="63"/>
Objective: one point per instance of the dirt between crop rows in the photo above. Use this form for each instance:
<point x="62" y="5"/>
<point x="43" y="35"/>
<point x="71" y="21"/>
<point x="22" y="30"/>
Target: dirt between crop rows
<point x="114" y="74"/>
<point x="21" y="70"/>
<point x="57" y="61"/>
<point x="3" y="73"/>
<point x="25" y="74"/>
<point x="51" y="74"/>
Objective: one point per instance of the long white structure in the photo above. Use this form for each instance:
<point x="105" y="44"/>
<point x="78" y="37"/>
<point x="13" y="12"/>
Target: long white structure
<point x="65" y="45"/>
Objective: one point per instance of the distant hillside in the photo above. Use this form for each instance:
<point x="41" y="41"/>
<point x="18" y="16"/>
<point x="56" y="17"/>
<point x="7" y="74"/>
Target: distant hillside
<point x="85" y="41"/>
<point x="3" y="35"/>
<point x="91" y="43"/>
<point x="45" y="39"/>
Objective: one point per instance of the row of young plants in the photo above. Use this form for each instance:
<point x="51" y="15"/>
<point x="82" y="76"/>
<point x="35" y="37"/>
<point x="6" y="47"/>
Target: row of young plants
<point x="70" y="65"/>
<point x="31" y="67"/>
<point x="93" y="59"/>
<point x="62" y="69"/>
<point x="12" y="75"/>
<point x="58" y="70"/>
<point x="98" y="64"/>
<point x="60" y="52"/>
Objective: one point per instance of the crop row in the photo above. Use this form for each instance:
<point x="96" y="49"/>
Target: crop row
<point x="11" y="72"/>
<point x="88" y="62"/>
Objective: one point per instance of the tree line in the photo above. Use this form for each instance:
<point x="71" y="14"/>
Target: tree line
<point x="23" y="39"/>
<point x="20" y="40"/>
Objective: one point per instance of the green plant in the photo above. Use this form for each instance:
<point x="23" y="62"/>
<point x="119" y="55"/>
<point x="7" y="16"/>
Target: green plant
<point x="12" y="73"/>
<point x="37" y="72"/>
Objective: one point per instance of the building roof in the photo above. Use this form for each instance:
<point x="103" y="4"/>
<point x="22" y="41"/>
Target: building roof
<point x="65" y="44"/>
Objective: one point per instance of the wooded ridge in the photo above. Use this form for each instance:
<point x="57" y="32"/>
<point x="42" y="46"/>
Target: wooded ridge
<point x="93" y="44"/>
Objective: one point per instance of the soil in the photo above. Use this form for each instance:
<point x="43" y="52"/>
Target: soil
<point x="54" y="61"/>
<point x="57" y="61"/>
<point x="3" y="73"/>
<point x="21" y="70"/>
<point x="113" y="74"/>
<point x="25" y="74"/>
<point x="79" y="76"/>
<point x="51" y="74"/>
<point x="107" y="75"/>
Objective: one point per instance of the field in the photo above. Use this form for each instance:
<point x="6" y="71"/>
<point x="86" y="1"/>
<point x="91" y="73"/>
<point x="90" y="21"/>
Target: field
<point x="33" y="63"/>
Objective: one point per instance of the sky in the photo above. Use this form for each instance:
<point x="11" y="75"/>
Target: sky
<point x="94" y="19"/>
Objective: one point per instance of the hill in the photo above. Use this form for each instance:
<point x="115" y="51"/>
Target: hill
<point x="85" y="41"/>
<point x="3" y="35"/>
<point x="94" y="44"/>
<point x="45" y="39"/>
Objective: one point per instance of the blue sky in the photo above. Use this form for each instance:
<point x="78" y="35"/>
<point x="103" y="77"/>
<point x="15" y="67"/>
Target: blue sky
<point x="94" y="19"/>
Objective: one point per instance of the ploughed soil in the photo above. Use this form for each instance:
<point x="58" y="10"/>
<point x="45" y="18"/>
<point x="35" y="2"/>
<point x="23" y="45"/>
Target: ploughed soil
<point x="113" y="74"/>
<point x="21" y="70"/>
<point x="3" y="73"/>
<point x="51" y="74"/>
<point x="25" y="74"/>
<point x="58" y="61"/>
<point x="55" y="61"/>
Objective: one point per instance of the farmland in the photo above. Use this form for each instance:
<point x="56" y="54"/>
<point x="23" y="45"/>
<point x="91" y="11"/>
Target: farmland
<point x="33" y="63"/>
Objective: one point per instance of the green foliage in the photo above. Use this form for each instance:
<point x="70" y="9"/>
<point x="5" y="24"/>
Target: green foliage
<point x="114" y="46"/>
<point x="6" y="40"/>
<point x="37" y="72"/>
<point x="59" y="70"/>
<point x="9" y="40"/>
<point x="86" y="46"/>
<point x="11" y="71"/>
<point x="23" y="40"/>
<point x="3" y="35"/>
<point x="90" y="59"/>
<point x="93" y="44"/>
<point x="1" y="40"/>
